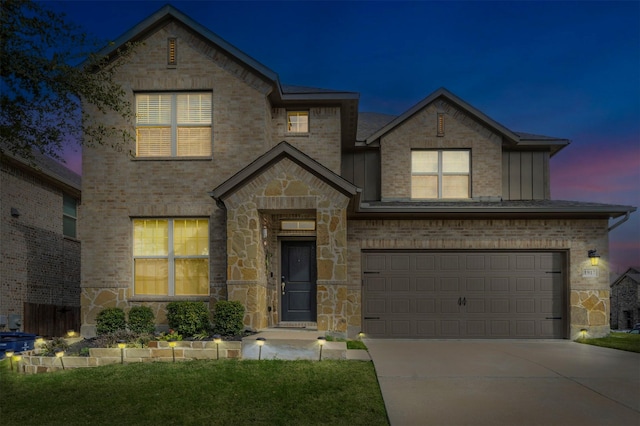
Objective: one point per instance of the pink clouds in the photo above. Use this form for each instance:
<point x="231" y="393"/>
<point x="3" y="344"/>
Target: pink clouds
<point x="597" y="173"/>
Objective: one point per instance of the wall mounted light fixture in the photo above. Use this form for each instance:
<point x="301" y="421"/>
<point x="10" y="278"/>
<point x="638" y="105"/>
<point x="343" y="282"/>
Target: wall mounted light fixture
<point x="15" y="212"/>
<point x="594" y="257"/>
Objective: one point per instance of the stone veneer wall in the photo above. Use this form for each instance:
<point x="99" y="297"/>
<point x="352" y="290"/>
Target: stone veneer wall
<point x="588" y="298"/>
<point x="285" y="187"/>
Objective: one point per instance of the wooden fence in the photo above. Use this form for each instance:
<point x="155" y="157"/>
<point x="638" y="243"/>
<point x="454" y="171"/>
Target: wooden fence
<point x="51" y="320"/>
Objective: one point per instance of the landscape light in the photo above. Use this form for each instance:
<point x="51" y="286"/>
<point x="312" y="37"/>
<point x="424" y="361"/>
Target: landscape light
<point x="172" y="345"/>
<point x="321" y="341"/>
<point x="60" y="354"/>
<point x="122" y="344"/>
<point x="260" y="341"/>
<point x="217" y="339"/>
<point x="9" y="354"/>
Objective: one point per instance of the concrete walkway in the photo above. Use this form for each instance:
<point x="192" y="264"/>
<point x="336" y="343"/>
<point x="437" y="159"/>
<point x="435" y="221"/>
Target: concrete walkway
<point x="513" y="382"/>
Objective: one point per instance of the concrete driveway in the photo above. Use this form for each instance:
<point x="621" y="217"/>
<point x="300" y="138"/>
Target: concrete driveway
<point x="512" y="382"/>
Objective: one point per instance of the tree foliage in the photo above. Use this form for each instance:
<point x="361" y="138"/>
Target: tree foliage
<point x="47" y="68"/>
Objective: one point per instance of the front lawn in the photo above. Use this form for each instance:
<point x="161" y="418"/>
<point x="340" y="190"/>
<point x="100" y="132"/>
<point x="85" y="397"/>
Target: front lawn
<point x="623" y="341"/>
<point x="225" y="392"/>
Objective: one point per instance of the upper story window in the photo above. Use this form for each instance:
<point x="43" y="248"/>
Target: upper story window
<point x="440" y="174"/>
<point x="69" y="216"/>
<point x="298" y="121"/>
<point x="171" y="257"/>
<point x="173" y="124"/>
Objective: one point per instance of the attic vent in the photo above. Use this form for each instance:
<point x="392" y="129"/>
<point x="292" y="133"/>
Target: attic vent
<point x="440" y="124"/>
<point x="172" y="47"/>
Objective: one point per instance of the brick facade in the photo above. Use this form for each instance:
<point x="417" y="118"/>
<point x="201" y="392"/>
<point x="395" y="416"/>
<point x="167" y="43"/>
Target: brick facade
<point x="39" y="264"/>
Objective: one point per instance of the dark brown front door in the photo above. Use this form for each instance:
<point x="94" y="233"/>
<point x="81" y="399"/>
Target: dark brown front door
<point x="298" y="281"/>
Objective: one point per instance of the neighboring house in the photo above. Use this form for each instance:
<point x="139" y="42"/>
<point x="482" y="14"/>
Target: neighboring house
<point x="39" y="246"/>
<point x="625" y="300"/>
<point x="436" y="223"/>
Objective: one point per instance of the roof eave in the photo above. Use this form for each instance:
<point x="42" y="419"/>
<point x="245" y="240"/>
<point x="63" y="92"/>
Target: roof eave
<point x="497" y="212"/>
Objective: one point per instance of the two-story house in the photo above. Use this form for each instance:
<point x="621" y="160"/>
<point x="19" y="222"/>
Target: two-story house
<point x="436" y="223"/>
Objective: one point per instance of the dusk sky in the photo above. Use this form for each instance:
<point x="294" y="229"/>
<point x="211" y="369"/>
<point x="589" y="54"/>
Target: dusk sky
<point x="563" y="69"/>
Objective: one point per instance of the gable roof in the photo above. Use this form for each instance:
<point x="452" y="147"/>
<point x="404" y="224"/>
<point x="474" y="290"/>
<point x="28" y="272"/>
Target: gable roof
<point x="280" y="95"/>
<point x="274" y="155"/>
<point x="632" y="273"/>
<point x="168" y="12"/>
<point x="518" y="139"/>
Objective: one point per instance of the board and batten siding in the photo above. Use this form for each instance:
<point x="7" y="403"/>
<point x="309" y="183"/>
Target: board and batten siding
<point x="362" y="168"/>
<point x="525" y="175"/>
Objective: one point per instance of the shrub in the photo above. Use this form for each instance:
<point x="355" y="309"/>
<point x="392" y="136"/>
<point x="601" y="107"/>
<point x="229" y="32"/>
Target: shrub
<point x="228" y="318"/>
<point x="54" y="345"/>
<point x="110" y="320"/>
<point x="141" y="320"/>
<point x="188" y="318"/>
<point x="111" y="340"/>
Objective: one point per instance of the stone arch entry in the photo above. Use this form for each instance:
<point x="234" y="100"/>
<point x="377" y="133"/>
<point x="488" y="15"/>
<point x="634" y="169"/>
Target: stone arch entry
<point x="284" y="181"/>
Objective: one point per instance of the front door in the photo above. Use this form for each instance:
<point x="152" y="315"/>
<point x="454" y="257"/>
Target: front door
<point x="298" y="281"/>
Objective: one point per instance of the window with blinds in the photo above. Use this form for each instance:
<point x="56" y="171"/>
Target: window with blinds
<point x="440" y="174"/>
<point x="171" y="257"/>
<point x="173" y="124"/>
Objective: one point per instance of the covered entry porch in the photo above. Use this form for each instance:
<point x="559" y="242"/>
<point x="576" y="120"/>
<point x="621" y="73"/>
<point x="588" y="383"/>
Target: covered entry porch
<point x="286" y="251"/>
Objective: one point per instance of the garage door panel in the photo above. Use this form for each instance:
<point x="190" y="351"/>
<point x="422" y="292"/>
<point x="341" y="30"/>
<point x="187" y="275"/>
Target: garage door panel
<point x="449" y="262"/>
<point x="400" y="306"/>
<point x="526" y="284"/>
<point x="450" y="284"/>
<point x="476" y="328"/>
<point x="376" y="306"/>
<point x="426" y="306"/>
<point x="449" y="306"/>
<point x="500" y="328"/>
<point x="450" y="328"/>
<point x="401" y="328"/>
<point x="425" y="263"/>
<point x="475" y="284"/>
<point x="400" y="263"/>
<point x="475" y="306"/>
<point x="375" y="284"/>
<point x="425" y="284"/>
<point x="464" y="295"/>
<point x="399" y="284"/>
<point x="498" y="284"/>
<point x="426" y="328"/>
<point x="375" y="262"/>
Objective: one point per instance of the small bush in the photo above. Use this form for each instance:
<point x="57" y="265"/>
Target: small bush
<point x="171" y="335"/>
<point x="228" y="318"/>
<point x="54" y="345"/>
<point x="133" y="340"/>
<point x="141" y="320"/>
<point x="110" y="320"/>
<point x="188" y="318"/>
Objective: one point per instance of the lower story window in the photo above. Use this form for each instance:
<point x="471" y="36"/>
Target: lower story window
<point x="171" y="257"/>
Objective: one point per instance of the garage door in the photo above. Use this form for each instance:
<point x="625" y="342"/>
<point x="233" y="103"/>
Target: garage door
<point x="463" y="294"/>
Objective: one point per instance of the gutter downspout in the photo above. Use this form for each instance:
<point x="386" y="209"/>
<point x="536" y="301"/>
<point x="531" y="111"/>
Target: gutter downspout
<point x="620" y="222"/>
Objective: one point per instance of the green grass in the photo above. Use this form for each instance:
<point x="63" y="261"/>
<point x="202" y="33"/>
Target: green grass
<point x="622" y="341"/>
<point x="351" y="344"/>
<point x="225" y="392"/>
